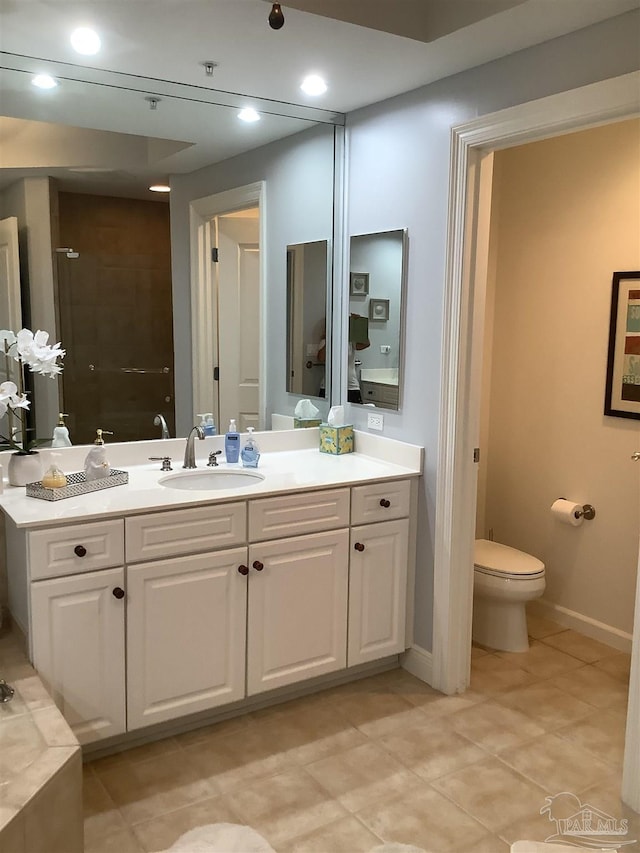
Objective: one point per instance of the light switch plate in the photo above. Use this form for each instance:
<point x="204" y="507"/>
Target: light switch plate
<point x="375" y="421"/>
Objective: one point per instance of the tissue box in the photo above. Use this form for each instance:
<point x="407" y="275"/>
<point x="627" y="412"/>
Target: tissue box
<point x="303" y="423"/>
<point x="336" y="439"/>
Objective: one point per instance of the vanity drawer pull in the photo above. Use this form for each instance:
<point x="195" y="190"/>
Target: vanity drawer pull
<point x="385" y="503"/>
<point x="80" y="551"/>
<point x="359" y="546"/>
<point x="118" y="592"/>
<point x="258" y="566"/>
<point x="244" y="570"/>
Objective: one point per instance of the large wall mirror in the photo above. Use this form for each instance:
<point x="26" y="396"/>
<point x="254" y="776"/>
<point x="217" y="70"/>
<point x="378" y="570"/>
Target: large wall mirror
<point x="377" y="275"/>
<point x="77" y="164"/>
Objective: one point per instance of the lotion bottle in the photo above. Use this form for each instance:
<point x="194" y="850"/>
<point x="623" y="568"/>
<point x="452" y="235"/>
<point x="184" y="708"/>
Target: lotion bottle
<point x="95" y="464"/>
<point x="232" y="442"/>
<point x="61" y="433"/>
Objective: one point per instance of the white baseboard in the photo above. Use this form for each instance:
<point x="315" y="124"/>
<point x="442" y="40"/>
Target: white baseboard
<point x="418" y="662"/>
<point x="607" y="634"/>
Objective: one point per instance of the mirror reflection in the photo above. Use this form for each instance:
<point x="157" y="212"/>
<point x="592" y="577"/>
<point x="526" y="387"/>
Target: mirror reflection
<point x="376" y="285"/>
<point x="122" y="302"/>
<point x="307" y="285"/>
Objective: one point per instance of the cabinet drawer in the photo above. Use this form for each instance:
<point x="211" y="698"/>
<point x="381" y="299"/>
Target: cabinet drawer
<point x="293" y="515"/>
<point x="380" y="501"/>
<point x="76" y="548"/>
<point x="185" y="531"/>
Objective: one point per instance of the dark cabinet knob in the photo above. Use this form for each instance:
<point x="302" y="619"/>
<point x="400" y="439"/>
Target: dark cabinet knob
<point x="359" y="546"/>
<point x="118" y="592"/>
<point x="80" y="551"/>
<point x="385" y="503"/>
<point x="244" y="570"/>
<point x="258" y="566"/>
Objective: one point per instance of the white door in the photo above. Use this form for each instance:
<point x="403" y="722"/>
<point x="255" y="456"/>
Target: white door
<point x="10" y="311"/>
<point x="238" y="277"/>
<point x="186" y="624"/>
<point x="377" y="590"/>
<point x="78" y="649"/>
<point x="297" y="620"/>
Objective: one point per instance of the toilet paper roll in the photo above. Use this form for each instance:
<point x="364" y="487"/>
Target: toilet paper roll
<point x="565" y="511"/>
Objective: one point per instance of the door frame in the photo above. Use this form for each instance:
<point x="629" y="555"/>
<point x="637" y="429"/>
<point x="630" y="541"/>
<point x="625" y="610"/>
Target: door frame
<point x="203" y="292"/>
<point x="600" y="103"/>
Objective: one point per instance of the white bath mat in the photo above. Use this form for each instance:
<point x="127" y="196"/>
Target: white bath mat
<point x="234" y="838"/>
<point x="221" y="838"/>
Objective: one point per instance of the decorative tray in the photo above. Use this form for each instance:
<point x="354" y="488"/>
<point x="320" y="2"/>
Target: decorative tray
<point x="77" y="484"/>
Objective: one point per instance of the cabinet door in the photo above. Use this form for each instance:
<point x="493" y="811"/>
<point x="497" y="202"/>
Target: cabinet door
<point x="377" y="590"/>
<point x="186" y="628"/>
<point x="297" y="623"/>
<point x="78" y="649"/>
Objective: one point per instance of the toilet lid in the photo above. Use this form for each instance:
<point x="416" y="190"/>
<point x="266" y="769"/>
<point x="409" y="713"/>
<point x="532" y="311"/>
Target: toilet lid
<point x="497" y="559"/>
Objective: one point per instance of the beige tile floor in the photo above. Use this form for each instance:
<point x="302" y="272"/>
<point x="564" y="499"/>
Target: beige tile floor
<point x="388" y="759"/>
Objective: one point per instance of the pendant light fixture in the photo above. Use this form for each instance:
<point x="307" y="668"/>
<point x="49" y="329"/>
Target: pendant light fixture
<point x="276" y="17"/>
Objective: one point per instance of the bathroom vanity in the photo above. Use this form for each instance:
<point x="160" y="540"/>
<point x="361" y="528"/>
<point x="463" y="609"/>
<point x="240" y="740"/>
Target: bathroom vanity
<point x="145" y="604"/>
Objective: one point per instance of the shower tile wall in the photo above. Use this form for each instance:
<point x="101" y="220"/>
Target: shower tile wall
<point x="115" y="312"/>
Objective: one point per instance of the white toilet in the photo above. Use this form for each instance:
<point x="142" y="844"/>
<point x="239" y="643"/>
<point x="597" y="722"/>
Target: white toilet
<point x="504" y="579"/>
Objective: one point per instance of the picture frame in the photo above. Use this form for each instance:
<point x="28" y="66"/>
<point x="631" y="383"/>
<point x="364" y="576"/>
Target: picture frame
<point x="359" y="283"/>
<point x="378" y="309"/>
<point x="622" y="391"/>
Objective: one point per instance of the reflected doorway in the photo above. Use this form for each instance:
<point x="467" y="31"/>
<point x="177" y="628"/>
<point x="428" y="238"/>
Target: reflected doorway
<point x="236" y="259"/>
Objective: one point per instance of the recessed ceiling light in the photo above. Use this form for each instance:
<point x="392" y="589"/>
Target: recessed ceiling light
<point x="160" y="188"/>
<point x="44" y="81"/>
<point x="313" y="85"/>
<point x="85" y="41"/>
<point x="249" y="114"/>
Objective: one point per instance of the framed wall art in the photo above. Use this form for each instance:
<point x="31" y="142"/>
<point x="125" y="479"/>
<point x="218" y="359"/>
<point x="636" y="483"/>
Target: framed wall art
<point x="359" y="282"/>
<point x="622" y="394"/>
<point x="378" y="309"/>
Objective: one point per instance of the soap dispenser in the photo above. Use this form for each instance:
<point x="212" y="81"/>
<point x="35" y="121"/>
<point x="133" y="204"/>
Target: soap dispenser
<point x="95" y="464"/>
<point x="61" y="433"/>
<point x="207" y="424"/>
<point x="250" y="453"/>
<point x="232" y="442"/>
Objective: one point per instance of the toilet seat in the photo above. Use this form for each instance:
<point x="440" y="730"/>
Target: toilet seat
<point x="493" y="558"/>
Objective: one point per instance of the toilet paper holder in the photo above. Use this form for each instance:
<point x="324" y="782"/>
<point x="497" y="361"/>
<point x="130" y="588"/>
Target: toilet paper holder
<point x="587" y="512"/>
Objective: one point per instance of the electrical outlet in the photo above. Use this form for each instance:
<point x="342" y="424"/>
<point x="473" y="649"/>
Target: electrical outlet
<point x="375" y="421"/>
<point x="385" y="349"/>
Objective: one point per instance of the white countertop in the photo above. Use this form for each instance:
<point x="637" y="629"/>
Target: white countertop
<point x="284" y="471"/>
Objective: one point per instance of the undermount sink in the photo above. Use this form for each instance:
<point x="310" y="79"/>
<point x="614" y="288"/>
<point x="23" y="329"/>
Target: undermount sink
<point x="212" y="478"/>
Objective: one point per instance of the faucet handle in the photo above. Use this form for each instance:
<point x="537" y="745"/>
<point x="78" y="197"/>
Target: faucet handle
<point x="166" y="462"/>
<point x="213" y="462"/>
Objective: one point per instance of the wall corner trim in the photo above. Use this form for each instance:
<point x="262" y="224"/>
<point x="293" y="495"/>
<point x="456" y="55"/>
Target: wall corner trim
<point x="418" y="662"/>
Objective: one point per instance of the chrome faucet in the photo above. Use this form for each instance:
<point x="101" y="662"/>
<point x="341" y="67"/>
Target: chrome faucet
<point x="160" y="421"/>
<point x="6" y="691"/>
<point x="190" y="450"/>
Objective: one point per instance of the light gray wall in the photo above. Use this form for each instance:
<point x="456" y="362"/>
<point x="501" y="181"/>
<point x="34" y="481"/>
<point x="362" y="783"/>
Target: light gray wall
<point x="398" y="176"/>
<point x="298" y="172"/>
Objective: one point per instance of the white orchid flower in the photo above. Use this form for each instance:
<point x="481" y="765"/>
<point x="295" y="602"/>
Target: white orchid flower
<point x="9" y="395"/>
<point x="8" y="337"/>
<point x="34" y="351"/>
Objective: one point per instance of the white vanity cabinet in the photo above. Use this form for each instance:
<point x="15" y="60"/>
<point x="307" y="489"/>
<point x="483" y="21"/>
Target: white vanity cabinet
<point x="378" y="570"/>
<point x="77" y="617"/>
<point x="186" y="615"/>
<point x="154" y="616"/>
<point x="297" y="620"/>
<point x="186" y="629"/>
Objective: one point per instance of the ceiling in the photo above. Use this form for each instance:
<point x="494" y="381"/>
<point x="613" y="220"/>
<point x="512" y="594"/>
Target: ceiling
<point x="361" y="47"/>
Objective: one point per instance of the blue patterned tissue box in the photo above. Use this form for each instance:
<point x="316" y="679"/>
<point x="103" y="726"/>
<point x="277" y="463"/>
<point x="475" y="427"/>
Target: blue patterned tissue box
<point x="336" y="439"/>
